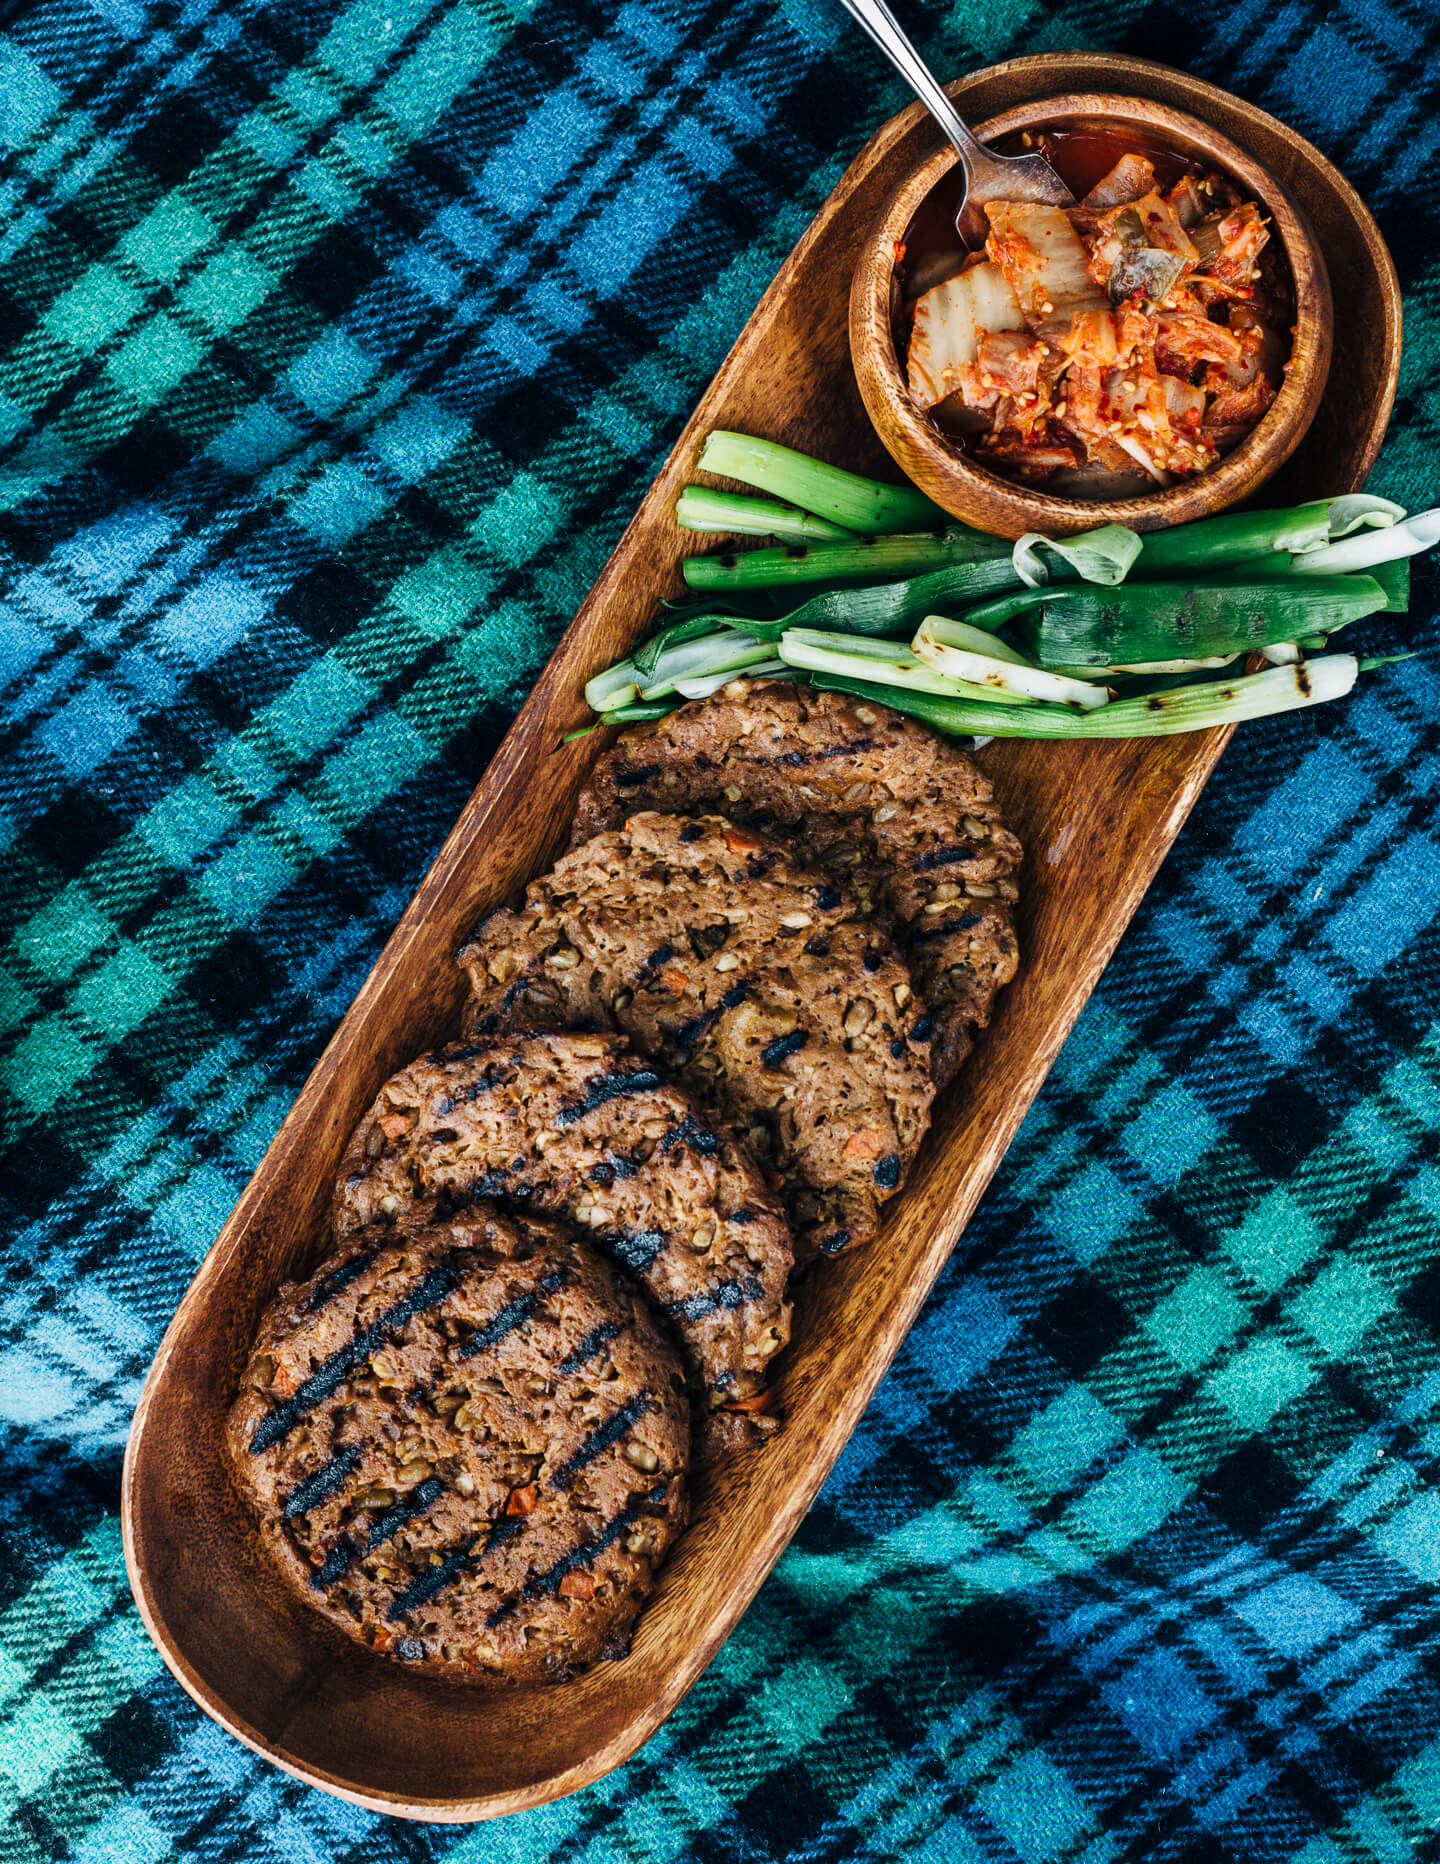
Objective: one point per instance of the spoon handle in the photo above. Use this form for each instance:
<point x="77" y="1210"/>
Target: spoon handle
<point x="885" y="30"/>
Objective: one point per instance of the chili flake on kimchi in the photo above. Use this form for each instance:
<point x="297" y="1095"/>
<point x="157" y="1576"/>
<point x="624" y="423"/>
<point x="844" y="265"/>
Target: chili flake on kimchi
<point x="1128" y="338"/>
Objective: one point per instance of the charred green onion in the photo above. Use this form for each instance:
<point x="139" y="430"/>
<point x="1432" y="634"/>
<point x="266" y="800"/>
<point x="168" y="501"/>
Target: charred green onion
<point x="892" y="662"/>
<point x="727" y="652"/>
<point x="1138" y="623"/>
<point x="1104" y="555"/>
<point x="1161" y="714"/>
<point x="846" y="498"/>
<point x="966" y="654"/>
<point x="861" y="560"/>
<point x="1210" y="542"/>
<point x="698" y="508"/>
<point x="1368" y="549"/>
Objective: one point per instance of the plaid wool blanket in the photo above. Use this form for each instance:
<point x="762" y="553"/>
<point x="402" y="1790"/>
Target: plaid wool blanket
<point x="338" y="340"/>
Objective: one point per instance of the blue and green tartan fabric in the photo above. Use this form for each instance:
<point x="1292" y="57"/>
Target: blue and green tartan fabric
<point x="338" y="339"/>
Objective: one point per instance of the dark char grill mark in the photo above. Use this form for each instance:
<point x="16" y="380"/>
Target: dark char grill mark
<point x="336" y="1562"/>
<point x="589" y="1346"/>
<point x="927" y="934"/>
<point x="632" y="779"/>
<point x="511" y="1316"/>
<point x="585" y="1554"/>
<point x="466" y="1052"/>
<point x="783" y="1046"/>
<point x="434" y="1579"/>
<point x="337" y="1281"/>
<point x="423" y="1589"/>
<point x="316" y="1487"/>
<point x="277" y="1424"/>
<point x="601" y="1438"/>
<point x="690" y="1033"/>
<point x="796" y="760"/>
<point x="727" y="1295"/>
<point x="506" y="1528"/>
<point x="606" y="1087"/>
<point x="421" y="1498"/>
<point x="614" y="1165"/>
<point x="692" y="831"/>
<point x="633" y="1249"/>
<point x="945" y="857"/>
<point x="691" y="1133"/>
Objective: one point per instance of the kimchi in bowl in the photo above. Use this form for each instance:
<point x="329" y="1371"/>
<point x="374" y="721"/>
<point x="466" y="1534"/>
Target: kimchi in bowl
<point x="1151" y="355"/>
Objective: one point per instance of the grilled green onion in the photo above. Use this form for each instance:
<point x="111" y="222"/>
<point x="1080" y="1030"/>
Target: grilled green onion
<point x="892" y="662"/>
<point x="863" y="560"/>
<point x="1160" y="714"/>
<point x="1393" y="576"/>
<point x="1006" y="675"/>
<point x="723" y="651"/>
<point x="614" y="686"/>
<point x="634" y="714"/>
<point x="646" y="657"/>
<point x="845" y="498"/>
<point x="1367" y="548"/>
<point x="1104" y="555"/>
<point x="885" y="609"/>
<point x="975" y="640"/>
<point x="712" y="682"/>
<point x="1230" y="538"/>
<point x="698" y="508"/>
<point x="1138" y="623"/>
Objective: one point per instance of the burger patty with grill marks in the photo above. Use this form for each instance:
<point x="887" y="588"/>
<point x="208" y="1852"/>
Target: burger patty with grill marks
<point x="581" y="1126"/>
<point x="752" y="978"/>
<point x="882" y="805"/>
<point x="467" y="1446"/>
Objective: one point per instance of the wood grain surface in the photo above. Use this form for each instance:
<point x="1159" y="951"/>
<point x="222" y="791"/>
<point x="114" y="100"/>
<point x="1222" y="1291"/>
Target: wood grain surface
<point x="996" y="504"/>
<point x="1096" y="821"/>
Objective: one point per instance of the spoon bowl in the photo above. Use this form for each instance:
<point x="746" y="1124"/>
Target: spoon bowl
<point x="988" y="177"/>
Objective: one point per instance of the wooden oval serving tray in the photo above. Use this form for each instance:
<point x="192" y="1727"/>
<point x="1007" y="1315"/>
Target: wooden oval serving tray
<point x="1096" y="822"/>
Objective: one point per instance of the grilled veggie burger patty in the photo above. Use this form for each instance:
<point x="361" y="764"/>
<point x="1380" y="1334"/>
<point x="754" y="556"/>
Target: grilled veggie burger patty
<point x="883" y="806"/>
<point x="755" y="980"/>
<point x="468" y="1447"/>
<point x="582" y="1126"/>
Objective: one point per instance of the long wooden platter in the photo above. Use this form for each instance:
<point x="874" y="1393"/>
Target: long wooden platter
<point x="1096" y="821"/>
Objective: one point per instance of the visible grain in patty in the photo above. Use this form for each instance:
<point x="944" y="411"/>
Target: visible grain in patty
<point x="583" y="1126"/>
<point x="752" y="978"/>
<point x="467" y="1447"/>
<point x="881" y="804"/>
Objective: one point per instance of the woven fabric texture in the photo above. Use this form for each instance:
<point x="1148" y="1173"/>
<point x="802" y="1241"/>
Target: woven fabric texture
<point x="338" y="340"/>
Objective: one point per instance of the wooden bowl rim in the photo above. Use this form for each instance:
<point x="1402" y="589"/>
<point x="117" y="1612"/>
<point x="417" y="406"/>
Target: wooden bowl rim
<point x="973" y="494"/>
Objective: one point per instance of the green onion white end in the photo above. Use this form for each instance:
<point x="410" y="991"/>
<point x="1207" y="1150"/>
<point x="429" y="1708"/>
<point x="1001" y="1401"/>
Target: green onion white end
<point x="1004" y="676"/>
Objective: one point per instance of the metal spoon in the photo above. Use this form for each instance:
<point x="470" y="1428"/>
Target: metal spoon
<point x="987" y="177"/>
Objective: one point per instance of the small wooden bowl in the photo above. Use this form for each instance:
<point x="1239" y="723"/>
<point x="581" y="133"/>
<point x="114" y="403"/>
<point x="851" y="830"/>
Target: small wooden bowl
<point x="966" y="489"/>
